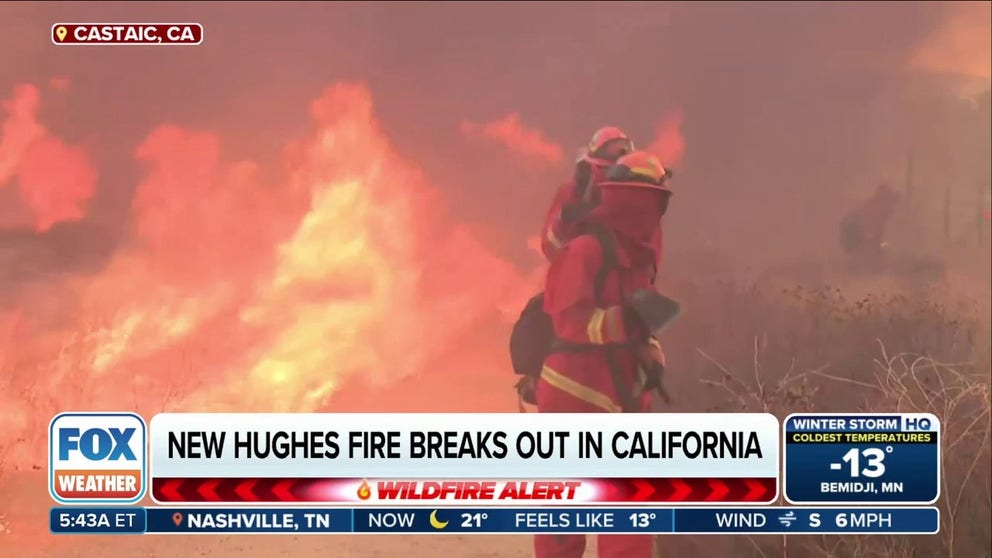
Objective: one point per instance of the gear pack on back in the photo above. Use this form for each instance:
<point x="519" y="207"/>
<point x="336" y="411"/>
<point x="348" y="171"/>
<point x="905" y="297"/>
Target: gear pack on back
<point x="531" y="339"/>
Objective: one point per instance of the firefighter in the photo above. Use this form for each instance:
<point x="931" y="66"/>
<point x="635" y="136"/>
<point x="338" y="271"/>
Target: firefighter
<point x="532" y="333"/>
<point x="603" y="345"/>
<point x="862" y="232"/>
<point x="575" y="197"/>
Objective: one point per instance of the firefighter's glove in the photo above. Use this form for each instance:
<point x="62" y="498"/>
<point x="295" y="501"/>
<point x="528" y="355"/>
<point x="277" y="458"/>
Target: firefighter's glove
<point x="653" y="363"/>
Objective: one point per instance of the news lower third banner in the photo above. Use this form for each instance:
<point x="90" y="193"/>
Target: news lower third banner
<point x="590" y="520"/>
<point x="861" y="459"/>
<point x="458" y="459"/>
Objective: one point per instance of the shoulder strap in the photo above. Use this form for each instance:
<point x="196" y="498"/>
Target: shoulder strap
<point x="607" y="245"/>
<point x="584" y="179"/>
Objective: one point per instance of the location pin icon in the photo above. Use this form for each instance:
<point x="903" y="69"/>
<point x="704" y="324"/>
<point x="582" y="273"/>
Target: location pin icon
<point x="177" y="518"/>
<point x="61" y="32"/>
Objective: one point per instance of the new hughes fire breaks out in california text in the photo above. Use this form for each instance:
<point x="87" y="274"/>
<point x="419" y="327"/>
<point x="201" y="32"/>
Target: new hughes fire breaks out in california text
<point x="464" y="445"/>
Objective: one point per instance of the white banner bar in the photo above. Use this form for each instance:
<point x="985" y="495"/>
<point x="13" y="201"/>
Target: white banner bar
<point x="466" y="446"/>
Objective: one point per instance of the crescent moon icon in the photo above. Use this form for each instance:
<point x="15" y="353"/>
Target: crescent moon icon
<point x="435" y="523"/>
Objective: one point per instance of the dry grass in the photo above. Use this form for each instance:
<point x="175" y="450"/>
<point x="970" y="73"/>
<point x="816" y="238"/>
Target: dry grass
<point x="817" y="351"/>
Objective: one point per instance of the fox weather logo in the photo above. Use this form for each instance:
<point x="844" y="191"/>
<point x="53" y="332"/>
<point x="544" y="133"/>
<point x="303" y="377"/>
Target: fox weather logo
<point x="97" y="458"/>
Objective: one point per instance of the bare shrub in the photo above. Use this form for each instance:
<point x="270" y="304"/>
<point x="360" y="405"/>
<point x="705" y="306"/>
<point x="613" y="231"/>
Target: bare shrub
<point x="815" y="350"/>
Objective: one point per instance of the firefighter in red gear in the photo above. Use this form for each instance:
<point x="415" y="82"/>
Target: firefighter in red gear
<point x="575" y="197"/>
<point x="875" y="215"/>
<point x="601" y="349"/>
<point x="863" y="230"/>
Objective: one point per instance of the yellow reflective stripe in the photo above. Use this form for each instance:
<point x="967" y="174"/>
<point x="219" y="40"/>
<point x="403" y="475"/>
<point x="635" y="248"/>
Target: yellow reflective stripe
<point x="594" y="331"/>
<point x="553" y="239"/>
<point x="579" y="391"/>
<point x="649" y="172"/>
<point x="613" y="325"/>
<point x="605" y="326"/>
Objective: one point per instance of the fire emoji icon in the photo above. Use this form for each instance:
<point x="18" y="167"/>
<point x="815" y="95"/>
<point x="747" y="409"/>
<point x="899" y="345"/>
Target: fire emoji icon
<point x="364" y="492"/>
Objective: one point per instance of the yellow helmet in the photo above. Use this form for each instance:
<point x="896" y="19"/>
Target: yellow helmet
<point x="638" y="169"/>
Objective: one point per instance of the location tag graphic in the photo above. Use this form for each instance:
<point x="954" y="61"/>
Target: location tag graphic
<point x="177" y="518"/>
<point x="108" y="33"/>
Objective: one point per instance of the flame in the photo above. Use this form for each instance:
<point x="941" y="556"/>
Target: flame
<point x="668" y="143"/>
<point x="960" y="49"/>
<point x="364" y="492"/>
<point x="962" y="44"/>
<point x="233" y="293"/>
<point x="511" y="133"/>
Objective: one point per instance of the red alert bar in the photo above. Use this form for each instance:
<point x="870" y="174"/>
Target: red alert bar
<point x="549" y="492"/>
<point x="127" y="33"/>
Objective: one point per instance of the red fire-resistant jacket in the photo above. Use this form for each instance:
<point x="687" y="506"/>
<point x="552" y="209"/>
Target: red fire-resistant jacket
<point x="555" y="233"/>
<point x="585" y="376"/>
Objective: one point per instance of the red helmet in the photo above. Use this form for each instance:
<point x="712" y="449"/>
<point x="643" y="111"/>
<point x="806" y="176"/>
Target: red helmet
<point x="639" y="169"/>
<point x="607" y="145"/>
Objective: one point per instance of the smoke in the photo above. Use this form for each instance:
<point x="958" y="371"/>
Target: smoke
<point x="257" y="271"/>
<point x="60" y="83"/>
<point x="53" y="180"/>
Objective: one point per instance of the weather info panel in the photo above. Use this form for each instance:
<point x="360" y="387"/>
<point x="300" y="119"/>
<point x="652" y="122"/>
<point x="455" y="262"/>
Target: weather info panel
<point x="862" y="459"/>
<point x="647" y="473"/>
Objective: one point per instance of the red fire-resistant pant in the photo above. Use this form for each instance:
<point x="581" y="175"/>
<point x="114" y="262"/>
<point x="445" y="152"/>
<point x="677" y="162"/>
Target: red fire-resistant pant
<point x="553" y="400"/>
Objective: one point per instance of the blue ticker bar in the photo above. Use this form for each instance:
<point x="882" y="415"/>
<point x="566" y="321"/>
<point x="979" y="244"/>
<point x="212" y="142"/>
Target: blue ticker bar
<point x="313" y="520"/>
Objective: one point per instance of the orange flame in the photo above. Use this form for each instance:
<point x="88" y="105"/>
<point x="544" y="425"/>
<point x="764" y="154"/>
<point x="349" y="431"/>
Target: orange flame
<point x="511" y="133"/>
<point x="364" y="492"/>
<point x="236" y="294"/>
<point x="668" y="143"/>
<point x="961" y="45"/>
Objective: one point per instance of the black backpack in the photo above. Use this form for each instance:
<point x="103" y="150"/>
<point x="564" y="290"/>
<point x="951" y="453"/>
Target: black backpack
<point x="533" y="336"/>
